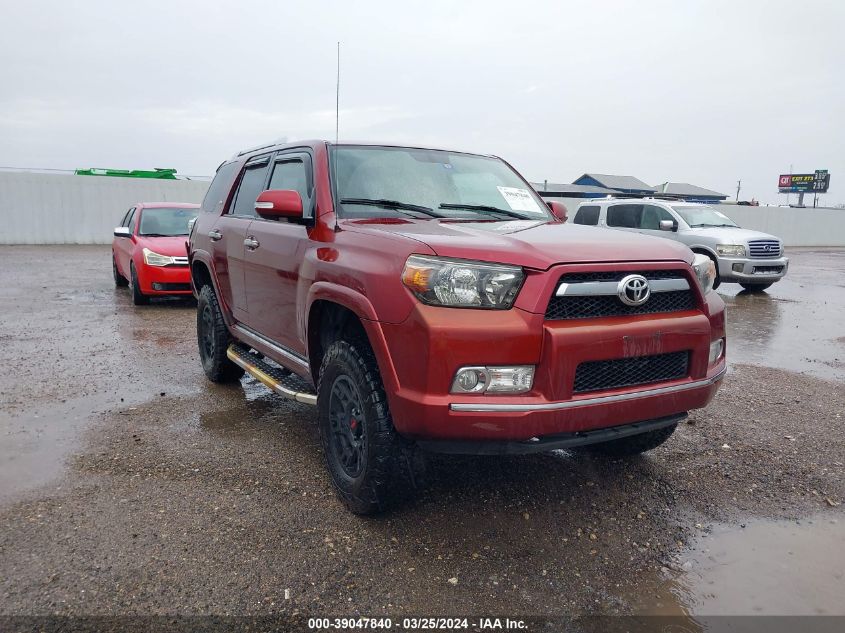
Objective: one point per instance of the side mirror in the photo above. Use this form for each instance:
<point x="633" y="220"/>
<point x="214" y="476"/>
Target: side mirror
<point x="279" y="203"/>
<point x="668" y="225"/>
<point x="122" y="231"/>
<point x="558" y="210"/>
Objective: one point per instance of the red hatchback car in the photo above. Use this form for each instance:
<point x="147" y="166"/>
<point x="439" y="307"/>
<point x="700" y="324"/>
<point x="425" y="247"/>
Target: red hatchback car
<point x="148" y="250"/>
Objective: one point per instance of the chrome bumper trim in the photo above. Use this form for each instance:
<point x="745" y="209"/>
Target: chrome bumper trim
<point x="582" y="402"/>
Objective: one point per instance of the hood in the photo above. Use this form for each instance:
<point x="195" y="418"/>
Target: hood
<point x="173" y="246"/>
<point x="529" y="243"/>
<point x="730" y="234"/>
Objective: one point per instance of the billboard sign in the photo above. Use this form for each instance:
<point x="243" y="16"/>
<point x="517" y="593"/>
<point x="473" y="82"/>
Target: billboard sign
<point x="819" y="182"/>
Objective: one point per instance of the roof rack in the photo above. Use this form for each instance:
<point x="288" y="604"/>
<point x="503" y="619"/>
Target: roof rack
<point x="255" y="149"/>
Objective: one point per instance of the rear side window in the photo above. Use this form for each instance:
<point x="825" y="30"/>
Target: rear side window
<point x="251" y="185"/>
<point x="587" y="215"/>
<point x="625" y="216"/>
<point x="218" y="191"/>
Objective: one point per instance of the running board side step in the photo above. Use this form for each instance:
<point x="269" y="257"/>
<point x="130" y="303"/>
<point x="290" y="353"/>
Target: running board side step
<point x="280" y="380"/>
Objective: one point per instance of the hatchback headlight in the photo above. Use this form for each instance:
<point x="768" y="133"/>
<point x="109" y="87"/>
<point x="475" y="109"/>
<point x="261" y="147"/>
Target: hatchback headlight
<point x="733" y="250"/>
<point x="151" y="258"/>
<point x="705" y="272"/>
<point x="462" y="284"/>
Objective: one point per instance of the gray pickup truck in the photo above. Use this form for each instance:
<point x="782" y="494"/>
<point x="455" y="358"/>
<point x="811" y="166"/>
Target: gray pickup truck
<point x="750" y="258"/>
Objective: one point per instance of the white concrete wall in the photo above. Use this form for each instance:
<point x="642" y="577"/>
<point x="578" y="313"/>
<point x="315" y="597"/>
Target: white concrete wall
<point x="40" y="208"/>
<point x="796" y="227"/>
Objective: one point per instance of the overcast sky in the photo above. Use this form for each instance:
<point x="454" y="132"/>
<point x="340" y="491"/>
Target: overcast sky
<point x="703" y="92"/>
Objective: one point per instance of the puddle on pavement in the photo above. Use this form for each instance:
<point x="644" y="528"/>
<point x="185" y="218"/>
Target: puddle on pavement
<point x="766" y="568"/>
<point x="796" y="324"/>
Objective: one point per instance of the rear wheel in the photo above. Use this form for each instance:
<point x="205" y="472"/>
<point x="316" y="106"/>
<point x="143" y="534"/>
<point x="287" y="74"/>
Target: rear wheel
<point x="213" y="339"/>
<point x="371" y="466"/>
<point x="634" y="444"/>
<point x="138" y="297"/>
<point x="119" y="280"/>
<point x="756" y="287"/>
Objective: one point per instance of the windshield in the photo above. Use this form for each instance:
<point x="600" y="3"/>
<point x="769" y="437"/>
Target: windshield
<point x="421" y="183"/>
<point x="166" y="222"/>
<point x="703" y="216"/>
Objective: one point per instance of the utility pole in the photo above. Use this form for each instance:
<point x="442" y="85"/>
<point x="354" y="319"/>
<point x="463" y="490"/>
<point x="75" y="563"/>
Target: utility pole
<point x="738" y="187"/>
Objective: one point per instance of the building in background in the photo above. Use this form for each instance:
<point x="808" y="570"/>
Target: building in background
<point x="627" y="185"/>
<point x="690" y="193"/>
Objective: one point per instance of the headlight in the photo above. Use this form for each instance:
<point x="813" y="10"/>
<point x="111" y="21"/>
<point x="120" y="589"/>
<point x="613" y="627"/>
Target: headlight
<point x="462" y="284"/>
<point x="155" y="259"/>
<point x="705" y="271"/>
<point x="734" y="250"/>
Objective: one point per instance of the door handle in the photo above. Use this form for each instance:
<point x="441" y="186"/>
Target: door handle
<point x="251" y="243"/>
<point x="215" y="235"/>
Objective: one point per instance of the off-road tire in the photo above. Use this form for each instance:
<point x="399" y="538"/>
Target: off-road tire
<point x="633" y="444"/>
<point x="138" y="297"/>
<point x="119" y="280"/>
<point x="390" y="467"/>
<point x="213" y="339"/>
<point x="756" y="287"/>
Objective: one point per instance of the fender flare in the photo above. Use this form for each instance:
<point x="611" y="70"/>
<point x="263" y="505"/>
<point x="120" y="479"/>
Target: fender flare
<point x="361" y="307"/>
<point x="205" y="259"/>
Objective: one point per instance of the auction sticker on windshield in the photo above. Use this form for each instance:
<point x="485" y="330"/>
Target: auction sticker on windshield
<point x="518" y="199"/>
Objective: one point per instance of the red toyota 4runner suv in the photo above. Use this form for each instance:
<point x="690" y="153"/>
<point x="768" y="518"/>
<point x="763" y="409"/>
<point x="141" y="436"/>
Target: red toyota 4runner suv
<point x="429" y="300"/>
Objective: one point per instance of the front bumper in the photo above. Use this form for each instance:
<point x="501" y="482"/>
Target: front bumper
<point x="752" y="269"/>
<point x="164" y="280"/>
<point x="421" y="366"/>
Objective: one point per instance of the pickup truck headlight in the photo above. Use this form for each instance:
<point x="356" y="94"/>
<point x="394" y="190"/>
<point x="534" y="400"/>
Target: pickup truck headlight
<point x="151" y="258"/>
<point x="705" y="271"/>
<point x="733" y="250"/>
<point x="462" y="284"/>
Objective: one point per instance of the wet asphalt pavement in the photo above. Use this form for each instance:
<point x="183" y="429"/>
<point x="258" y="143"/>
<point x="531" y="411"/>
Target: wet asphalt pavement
<point x="131" y="485"/>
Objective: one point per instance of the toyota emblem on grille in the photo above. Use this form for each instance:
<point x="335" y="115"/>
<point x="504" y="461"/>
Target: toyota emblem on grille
<point x="633" y="290"/>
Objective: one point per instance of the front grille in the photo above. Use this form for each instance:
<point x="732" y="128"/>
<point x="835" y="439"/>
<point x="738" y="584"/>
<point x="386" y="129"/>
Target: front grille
<point x="764" y="248"/>
<point x="765" y="270"/>
<point x="625" y="372"/>
<point x="575" y="307"/>
<point x="170" y="287"/>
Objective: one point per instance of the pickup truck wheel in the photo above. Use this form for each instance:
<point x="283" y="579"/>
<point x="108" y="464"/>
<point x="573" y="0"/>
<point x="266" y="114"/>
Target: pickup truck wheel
<point x="119" y="280"/>
<point x="213" y="339"/>
<point x="371" y="466"/>
<point x="755" y="287"/>
<point x="633" y="445"/>
<point x="138" y="297"/>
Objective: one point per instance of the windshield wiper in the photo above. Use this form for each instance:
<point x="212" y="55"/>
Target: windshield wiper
<point x="393" y="204"/>
<point x="484" y="208"/>
<point x="714" y="226"/>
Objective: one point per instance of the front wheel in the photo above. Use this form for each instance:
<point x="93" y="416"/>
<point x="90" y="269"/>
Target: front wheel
<point x="213" y="339"/>
<point x="138" y="297"/>
<point x="371" y="466"/>
<point x="634" y="444"/>
<point x="756" y="287"/>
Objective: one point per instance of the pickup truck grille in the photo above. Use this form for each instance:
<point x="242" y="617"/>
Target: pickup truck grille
<point x="764" y="248"/>
<point x="625" y="372"/>
<point x="593" y="306"/>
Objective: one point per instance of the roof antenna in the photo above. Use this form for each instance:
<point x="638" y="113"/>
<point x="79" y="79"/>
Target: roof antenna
<point x="333" y="150"/>
<point x="337" y="99"/>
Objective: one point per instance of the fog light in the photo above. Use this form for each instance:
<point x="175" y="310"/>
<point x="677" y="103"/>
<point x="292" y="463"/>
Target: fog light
<point x="717" y="348"/>
<point x="737" y="268"/>
<point x="516" y="379"/>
